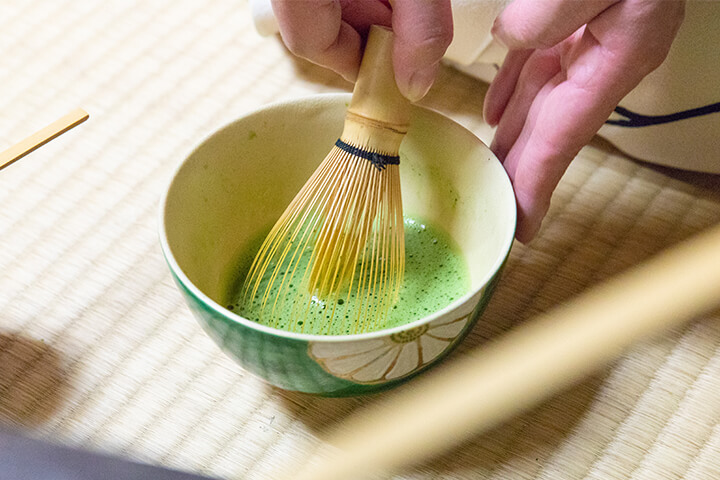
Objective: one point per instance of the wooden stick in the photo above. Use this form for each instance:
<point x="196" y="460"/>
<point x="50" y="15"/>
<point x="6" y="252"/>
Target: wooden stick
<point x="528" y="365"/>
<point x="41" y="137"/>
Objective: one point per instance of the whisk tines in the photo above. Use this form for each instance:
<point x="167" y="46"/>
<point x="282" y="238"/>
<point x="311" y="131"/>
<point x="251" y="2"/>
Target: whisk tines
<point x="337" y="253"/>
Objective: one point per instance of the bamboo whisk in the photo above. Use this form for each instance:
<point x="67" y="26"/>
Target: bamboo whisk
<point x="341" y="239"/>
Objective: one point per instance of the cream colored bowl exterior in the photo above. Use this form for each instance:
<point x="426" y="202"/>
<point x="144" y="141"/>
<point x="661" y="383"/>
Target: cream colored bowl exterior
<point x="231" y="189"/>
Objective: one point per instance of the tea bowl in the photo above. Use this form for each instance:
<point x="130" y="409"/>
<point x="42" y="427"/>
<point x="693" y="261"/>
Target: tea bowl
<point x="236" y="183"/>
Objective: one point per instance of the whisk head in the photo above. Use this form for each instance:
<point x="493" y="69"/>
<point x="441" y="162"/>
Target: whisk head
<point x="339" y="242"/>
<point x="334" y="262"/>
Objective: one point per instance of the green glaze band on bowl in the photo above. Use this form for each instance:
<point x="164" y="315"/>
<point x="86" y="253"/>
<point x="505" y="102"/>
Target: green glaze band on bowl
<point x="232" y="188"/>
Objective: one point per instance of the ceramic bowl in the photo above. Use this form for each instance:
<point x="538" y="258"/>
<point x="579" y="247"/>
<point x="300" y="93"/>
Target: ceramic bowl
<point x="232" y="188"/>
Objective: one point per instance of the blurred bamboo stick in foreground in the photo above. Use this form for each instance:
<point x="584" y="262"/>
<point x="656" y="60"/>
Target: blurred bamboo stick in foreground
<point x="526" y="366"/>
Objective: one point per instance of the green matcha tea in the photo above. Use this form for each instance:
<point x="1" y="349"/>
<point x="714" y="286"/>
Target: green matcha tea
<point x="435" y="276"/>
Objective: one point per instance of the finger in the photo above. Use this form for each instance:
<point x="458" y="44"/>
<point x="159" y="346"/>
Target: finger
<point x="423" y="31"/>
<point x="315" y="30"/>
<point x="562" y="119"/>
<point x="539" y="69"/>
<point x="361" y="14"/>
<point x="535" y="170"/>
<point x="503" y="85"/>
<point x="544" y="23"/>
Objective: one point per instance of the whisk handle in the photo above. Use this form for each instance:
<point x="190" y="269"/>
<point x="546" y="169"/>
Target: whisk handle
<point x="376" y="97"/>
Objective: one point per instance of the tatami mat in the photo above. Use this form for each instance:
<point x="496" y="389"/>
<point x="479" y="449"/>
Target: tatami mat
<point x="97" y="349"/>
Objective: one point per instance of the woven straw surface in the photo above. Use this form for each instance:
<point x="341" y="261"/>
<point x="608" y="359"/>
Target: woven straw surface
<point x="98" y="350"/>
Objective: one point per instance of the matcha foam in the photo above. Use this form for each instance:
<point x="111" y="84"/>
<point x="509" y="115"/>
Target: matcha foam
<point x="435" y="275"/>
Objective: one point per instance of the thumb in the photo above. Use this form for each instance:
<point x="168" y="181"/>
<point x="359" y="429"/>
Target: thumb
<point x="423" y="32"/>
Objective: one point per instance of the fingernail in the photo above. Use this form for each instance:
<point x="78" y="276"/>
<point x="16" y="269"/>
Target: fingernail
<point x="526" y="233"/>
<point x="488" y="111"/>
<point x="489" y="118"/>
<point x="420" y="83"/>
<point x="498" y="33"/>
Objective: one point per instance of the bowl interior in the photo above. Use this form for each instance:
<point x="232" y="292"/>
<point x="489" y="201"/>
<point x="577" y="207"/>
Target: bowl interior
<point x="235" y="185"/>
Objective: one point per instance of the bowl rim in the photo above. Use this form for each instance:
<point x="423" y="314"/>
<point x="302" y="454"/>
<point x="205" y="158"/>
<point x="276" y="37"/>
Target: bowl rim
<point x="211" y="304"/>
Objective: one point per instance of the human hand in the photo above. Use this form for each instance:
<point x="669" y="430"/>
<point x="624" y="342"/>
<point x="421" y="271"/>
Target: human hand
<point x="331" y="33"/>
<point x="569" y="64"/>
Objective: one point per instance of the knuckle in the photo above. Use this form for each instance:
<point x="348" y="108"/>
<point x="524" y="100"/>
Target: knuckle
<point x="436" y="41"/>
<point x="307" y="32"/>
<point x="533" y="36"/>
<point x="303" y="45"/>
<point x="293" y="42"/>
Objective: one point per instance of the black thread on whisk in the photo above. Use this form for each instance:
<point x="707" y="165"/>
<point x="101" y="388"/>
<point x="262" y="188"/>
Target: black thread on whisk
<point x="378" y="160"/>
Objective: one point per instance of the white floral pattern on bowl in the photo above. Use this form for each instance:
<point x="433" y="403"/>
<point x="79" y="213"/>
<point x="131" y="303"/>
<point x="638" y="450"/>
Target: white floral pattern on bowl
<point x="389" y="357"/>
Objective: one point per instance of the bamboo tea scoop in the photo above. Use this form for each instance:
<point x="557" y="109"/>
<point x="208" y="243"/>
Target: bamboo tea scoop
<point x="528" y="365"/>
<point x="42" y="136"/>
